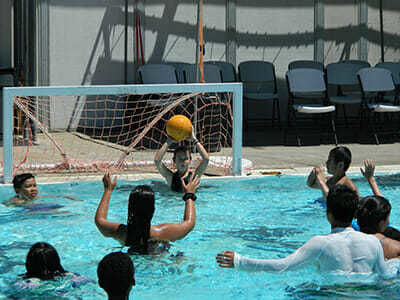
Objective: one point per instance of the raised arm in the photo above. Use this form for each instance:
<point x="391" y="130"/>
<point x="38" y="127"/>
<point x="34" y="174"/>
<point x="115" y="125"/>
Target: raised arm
<point x="203" y="153"/>
<point x="312" y="178"/>
<point x="107" y="228"/>
<point x="161" y="167"/>
<point x="177" y="231"/>
<point x="368" y="173"/>
<point x="321" y="180"/>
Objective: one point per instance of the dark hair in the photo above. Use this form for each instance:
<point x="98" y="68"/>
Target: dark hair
<point x="140" y="212"/>
<point x="371" y="211"/>
<point x="392" y="233"/>
<point x="342" y="202"/>
<point x="116" y="273"/>
<point x="43" y="262"/>
<point x="19" y="180"/>
<point x="182" y="148"/>
<point x="341" y="154"/>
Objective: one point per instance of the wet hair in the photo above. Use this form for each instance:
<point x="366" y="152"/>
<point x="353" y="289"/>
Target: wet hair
<point x="18" y="180"/>
<point x="182" y="148"/>
<point x="341" y="154"/>
<point x="116" y="273"/>
<point x="342" y="202"/>
<point x="43" y="262"/>
<point x="392" y="233"/>
<point x="371" y="211"/>
<point x="140" y="212"/>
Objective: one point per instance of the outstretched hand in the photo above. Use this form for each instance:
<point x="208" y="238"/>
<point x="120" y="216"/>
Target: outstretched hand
<point x="369" y="169"/>
<point x="109" y="183"/>
<point x="192" y="185"/>
<point x="226" y="259"/>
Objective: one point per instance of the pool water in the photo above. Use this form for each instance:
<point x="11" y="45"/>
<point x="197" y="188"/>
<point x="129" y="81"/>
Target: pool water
<point x="267" y="217"/>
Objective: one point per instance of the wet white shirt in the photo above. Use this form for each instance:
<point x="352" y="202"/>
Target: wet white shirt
<point x="343" y="250"/>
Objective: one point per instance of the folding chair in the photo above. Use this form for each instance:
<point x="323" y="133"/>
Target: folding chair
<point x="259" y="83"/>
<point x="374" y="83"/>
<point x="360" y="62"/>
<point x="393" y="67"/>
<point x="302" y="82"/>
<point x="343" y="76"/>
<point x="306" y="64"/>
<point x="157" y="74"/>
<point x="179" y="68"/>
<point x="227" y="70"/>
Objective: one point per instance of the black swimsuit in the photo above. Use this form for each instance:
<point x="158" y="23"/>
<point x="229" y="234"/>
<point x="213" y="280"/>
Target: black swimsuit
<point x="176" y="184"/>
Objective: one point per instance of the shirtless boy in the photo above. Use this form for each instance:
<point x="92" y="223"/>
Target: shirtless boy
<point x="25" y="188"/>
<point x="338" y="163"/>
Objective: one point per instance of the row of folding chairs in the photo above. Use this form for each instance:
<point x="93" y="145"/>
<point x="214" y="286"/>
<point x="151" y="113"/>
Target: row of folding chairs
<point x="260" y="84"/>
<point x="179" y="72"/>
<point x="375" y="91"/>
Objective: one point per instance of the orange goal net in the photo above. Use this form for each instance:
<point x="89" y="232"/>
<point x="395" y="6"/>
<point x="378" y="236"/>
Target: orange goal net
<point x="70" y="133"/>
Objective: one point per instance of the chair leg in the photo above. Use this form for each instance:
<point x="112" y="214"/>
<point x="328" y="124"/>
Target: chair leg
<point x="345" y="116"/>
<point x="273" y="114"/>
<point x="278" y="114"/>
<point x="373" y="127"/>
<point x="334" y="129"/>
<point x="295" y="127"/>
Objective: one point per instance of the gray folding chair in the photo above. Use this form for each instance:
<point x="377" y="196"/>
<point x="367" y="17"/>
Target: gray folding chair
<point x="179" y="68"/>
<point x="212" y="73"/>
<point x="227" y="70"/>
<point x="343" y="77"/>
<point x="393" y="67"/>
<point x="307" y="81"/>
<point x="259" y="84"/>
<point x="157" y="74"/>
<point x="360" y="62"/>
<point x="306" y="64"/>
<point x="374" y="83"/>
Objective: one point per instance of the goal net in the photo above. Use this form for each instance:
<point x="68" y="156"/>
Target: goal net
<point x="90" y="129"/>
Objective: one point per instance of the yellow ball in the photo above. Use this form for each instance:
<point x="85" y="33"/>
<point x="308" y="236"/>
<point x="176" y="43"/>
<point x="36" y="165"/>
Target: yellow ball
<point x="179" y="127"/>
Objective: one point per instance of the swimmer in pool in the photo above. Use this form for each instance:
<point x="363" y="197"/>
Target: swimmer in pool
<point x="27" y="191"/>
<point x="42" y="264"/>
<point x="139" y="234"/>
<point x="25" y="188"/>
<point x="116" y="275"/>
<point x="373" y="218"/>
<point x="343" y="250"/>
<point x="368" y="172"/>
<point x="181" y="159"/>
<point x="338" y="163"/>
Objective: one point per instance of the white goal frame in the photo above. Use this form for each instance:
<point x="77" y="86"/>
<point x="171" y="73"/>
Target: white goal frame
<point x="10" y="93"/>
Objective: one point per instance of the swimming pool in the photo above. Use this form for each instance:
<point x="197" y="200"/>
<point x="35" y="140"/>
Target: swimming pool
<point x="266" y="217"/>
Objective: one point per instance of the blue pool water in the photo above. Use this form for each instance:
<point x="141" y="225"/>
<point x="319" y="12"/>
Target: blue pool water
<point x="266" y="217"/>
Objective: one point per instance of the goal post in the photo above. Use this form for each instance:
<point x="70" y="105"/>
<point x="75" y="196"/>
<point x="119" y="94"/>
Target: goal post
<point x="13" y="100"/>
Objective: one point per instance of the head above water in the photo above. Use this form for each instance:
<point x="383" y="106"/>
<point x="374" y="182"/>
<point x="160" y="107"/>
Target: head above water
<point x="339" y="157"/>
<point x="182" y="158"/>
<point x="342" y="203"/>
<point x="373" y="213"/>
<point x="42" y="261"/>
<point x="116" y="275"/>
<point x="25" y="186"/>
<point x="19" y="180"/>
<point x="140" y="212"/>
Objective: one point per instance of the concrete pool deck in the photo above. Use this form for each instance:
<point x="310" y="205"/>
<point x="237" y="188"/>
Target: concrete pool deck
<point x="262" y="146"/>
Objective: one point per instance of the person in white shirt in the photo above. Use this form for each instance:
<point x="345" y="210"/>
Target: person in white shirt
<point x="343" y="250"/>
